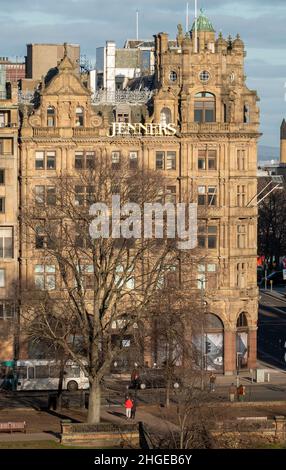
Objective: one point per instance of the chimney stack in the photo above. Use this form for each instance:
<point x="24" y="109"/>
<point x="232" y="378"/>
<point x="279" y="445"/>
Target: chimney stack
<point x="283" y="142"/>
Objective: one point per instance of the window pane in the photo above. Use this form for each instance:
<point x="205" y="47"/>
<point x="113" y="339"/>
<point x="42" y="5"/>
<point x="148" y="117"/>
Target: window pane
<point x="160" y="160"/>
<point x="171" y="161"/>
<point x="198" y="115"/>
<point x="39" y="242"/>
<point x="72" y="371"/>
<point x="79" y="160"/>
<point x="55" y="371"/>
<point x="2" y="176"/>
<point x="212" y="241"/>
<point x="51" y="160"/>
<point x="39" y="281"/>
<point x="40" y="194"/>
<point x="50" y="269"/>
<point x="115" y="157"/>
<point x="51" y="282"/>
<point x="2" y="205"/>
<point x="211" y="268"/>
<point x="90" y="160"/>
<point x="51" y="195"/>
<point x="8" y="248"/>
<point x="39" y="160"/>
<point x="21" y="372"/>
<point x="133" y="160"/>
<point x="39" y="268"/>
<point x="42" y="372"/>
<point x="2" y="277"/>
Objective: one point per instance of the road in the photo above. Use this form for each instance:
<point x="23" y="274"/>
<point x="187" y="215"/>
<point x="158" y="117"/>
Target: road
<point x="272" y="330"/>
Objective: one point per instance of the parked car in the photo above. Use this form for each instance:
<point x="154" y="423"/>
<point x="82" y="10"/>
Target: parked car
<point x="155" y="378"/>
<point x="276" y="277"/>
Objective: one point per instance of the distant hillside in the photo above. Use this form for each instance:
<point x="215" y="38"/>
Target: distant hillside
<point x="268" y="153"/>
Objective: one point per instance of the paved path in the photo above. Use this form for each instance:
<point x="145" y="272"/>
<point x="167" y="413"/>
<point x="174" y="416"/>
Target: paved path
<point x="154" y="423"/>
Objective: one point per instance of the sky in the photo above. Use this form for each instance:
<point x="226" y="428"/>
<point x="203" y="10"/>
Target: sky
<point x="260" y="23"/>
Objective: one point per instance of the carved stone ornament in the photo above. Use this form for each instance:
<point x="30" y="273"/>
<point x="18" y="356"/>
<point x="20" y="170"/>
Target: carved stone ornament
<point x="35" y="121"/>
<point x="96" y="121"/>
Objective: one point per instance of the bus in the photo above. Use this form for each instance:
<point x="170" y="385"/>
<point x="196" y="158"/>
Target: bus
<point x="40" y="374"/>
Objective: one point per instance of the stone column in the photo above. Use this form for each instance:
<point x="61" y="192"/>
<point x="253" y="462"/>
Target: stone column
<point x="229" y="352"/>
<point x="252" y="348"/>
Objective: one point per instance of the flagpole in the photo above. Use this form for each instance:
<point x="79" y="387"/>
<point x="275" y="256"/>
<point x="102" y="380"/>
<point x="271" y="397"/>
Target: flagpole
<point x="137" y="24"/>
<point x="196" y="26"/>
<point x="187" y="18"/>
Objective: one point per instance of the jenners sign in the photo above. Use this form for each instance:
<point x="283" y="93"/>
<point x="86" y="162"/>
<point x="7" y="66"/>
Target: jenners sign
<point x="123" y="128"/>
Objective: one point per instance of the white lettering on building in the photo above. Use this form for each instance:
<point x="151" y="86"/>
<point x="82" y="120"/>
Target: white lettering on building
<point x="123" y="128"/>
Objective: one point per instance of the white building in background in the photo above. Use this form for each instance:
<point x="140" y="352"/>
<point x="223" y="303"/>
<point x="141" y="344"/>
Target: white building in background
<point x="116" y="66"/>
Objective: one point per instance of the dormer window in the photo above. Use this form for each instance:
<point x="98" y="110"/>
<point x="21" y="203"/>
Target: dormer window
<point x="79" y="120"/>
<point x="51" y="116"/>
<point x="165" y="116"/>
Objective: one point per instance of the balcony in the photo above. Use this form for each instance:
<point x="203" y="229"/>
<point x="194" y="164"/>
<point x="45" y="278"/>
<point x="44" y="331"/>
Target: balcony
<point x="83" y="131"/>
<point x="46" y="132"/>
<point x="213" y="127"/>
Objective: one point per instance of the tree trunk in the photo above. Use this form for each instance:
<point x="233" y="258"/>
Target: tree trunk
<point x="94" y="403"/>
<point x="60" y="386"/>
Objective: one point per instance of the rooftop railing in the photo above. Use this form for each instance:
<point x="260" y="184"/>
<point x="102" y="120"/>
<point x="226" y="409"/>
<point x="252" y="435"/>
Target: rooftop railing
<point x="122" y="96"/>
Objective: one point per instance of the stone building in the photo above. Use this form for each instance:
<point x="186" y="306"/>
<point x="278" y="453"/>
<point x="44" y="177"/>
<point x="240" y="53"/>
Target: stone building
<point x="8" y="219"/>
<point x="200" y="127"/>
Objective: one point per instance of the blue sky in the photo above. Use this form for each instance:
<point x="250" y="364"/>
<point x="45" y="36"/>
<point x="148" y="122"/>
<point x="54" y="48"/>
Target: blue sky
<point x="90" y="23"/>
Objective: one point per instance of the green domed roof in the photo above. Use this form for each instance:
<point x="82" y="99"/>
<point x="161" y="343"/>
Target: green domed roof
<point x="203" y="23"/>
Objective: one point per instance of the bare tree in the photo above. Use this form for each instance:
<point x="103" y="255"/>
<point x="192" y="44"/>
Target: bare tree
<point x="272" y="226"/>
<point x="104" y="286"/>
<point x="176" y="315"/>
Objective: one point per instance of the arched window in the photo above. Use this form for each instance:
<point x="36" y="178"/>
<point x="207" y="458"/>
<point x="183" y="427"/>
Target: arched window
<point x="246" y="114"/>
<point x="204" y="107"/>
<point x="79" y="120"/>
<point x="242" y="321"/>
<point x="213" y="343"/>
<point x="51" y="116"/>
<point x="241" y="341"/>
<point x="224" y="112"/>
<point x="165" y="116"/>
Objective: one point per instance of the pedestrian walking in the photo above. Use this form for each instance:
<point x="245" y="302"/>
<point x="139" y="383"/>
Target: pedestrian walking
<point x="241" y="393"/>
<point x="135" y="379"/>
<point x="128" y="407"/>
<point x="232" y="392"/>
<point x="134" y="407"/>
<point x="212" y="382"/>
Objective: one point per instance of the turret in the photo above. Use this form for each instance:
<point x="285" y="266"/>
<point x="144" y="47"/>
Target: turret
<point x="205" y="33"/>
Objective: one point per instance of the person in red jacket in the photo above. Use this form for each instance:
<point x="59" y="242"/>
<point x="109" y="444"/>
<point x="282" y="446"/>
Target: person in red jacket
<point x="128" y="407"/>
